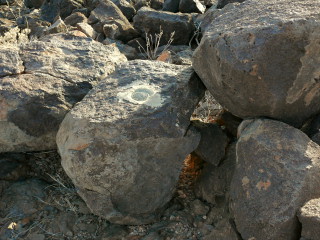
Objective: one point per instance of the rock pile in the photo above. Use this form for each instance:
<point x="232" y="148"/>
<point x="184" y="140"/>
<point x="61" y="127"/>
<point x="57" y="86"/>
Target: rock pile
<point x="98" y="82"/>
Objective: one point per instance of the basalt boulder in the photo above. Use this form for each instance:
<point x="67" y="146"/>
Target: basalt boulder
<point x="277" y="171"/>
<point x="124" y="144"/>
<point x="40" y="81"/>
<point x="259" y="58"/>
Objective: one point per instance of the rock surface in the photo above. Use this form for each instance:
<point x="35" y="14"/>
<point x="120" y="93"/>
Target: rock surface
<point x="51" y="9"/>
<point x="313" y="129"/>
<point x="213" y="143"/>
<point x="309" y="216"/>
<point x="126" y="8"/>
<point x="171" y="6"/>
<point x="266" y="63"/>
<point x="107" y="13"/>
<point x="191" y="6"/>
<point x="223" y="3"/>
<point x="277" y="171"/>
<point x="214" y="181"/>
<point x="40" y="81"/>
<point x="133" y="126"/>
<point x="149" y="21"/>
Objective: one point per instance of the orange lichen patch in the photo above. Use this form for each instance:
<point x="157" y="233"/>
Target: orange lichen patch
<point x="254" y="70"/>
<point x="80" y="147"/>
<point x="263" y="185"/>
<point x="164" y="57"/>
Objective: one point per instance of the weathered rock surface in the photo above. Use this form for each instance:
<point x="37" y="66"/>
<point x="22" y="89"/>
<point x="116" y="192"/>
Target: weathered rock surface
<point x="22" y="198"/>
<point x="40" y="81"/>
<point x="57" y="27"/>
<point x="149" y="21"/>
<point x="75" y="18"/>
<point x="223" y="3"/>
<point x="171" y="6"/>
<point x="277" y="171"/>
<point x="313" y="129"/>
<point x="214" y="181"/>
<point x="191" y="6"/>
<point x="309" y="216"/>
<point x="126" y="8"/>
<point x="156" y="4"/>
<point x="213" y="143"/>
<point x="51" y="9"/>
<point x="33" y="23"/>
<point x="124" y="144"/>
<point x="87" y="30"/>
<point x="222" y="231"/>
<point x="33" y="3"/>
<point x="107" y="13"/>
<point x="10" y="33"/>
<point x="266" y="63"/>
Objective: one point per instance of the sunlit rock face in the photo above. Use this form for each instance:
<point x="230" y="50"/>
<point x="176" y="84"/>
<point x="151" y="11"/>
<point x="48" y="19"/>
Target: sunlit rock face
<point x="261" y="59"/>
<point x="124" y="144"/>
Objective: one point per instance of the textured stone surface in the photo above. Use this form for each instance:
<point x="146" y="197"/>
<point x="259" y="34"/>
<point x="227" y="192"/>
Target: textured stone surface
<point x="309" y="216"/>
<point x="126" y="8"/>
<point x="33" y="3"/>
<point x="108" y="13"/>
<point x="213" y="143"/>
<point x="261" y="59"/>
<point x="149" y="21"/>
<point x="10" y="33"/>
<point x="51" y="9"/>
<point x="214" y="181"/>
<point x="277" y="171"/>
<point x="124" y="144"/>
<point x="171" y="6"/>
<point x="40" y="81"/>
<point x="75" y="18"/>
<point x="191" y="6"/>
<point x="223" y="3"/>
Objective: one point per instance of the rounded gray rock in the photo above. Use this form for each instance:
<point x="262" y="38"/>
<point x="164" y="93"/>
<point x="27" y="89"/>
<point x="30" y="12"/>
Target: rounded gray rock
<point x="124" y="144"/>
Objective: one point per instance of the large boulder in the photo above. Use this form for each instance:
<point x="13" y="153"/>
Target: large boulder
<point x="259" y="58"/>
<point x="124" y="144"/>
<point x="150" y="21"/>
<point x="40" y="81"/>
<point x="277" y="171"/>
